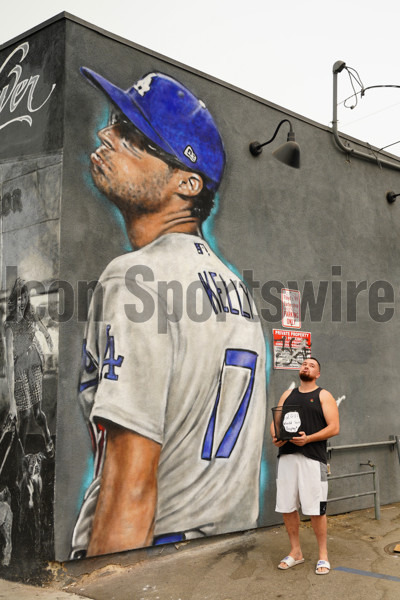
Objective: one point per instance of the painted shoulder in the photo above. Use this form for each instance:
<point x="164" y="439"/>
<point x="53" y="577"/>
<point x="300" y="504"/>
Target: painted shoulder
<point x="165" y="257"/>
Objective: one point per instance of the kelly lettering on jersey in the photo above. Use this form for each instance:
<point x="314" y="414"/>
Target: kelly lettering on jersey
<point x="226" y="296"/>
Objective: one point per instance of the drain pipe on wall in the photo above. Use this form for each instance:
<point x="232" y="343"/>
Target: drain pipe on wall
<point x="338" y="68"/>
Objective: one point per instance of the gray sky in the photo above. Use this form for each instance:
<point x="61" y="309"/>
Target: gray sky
<point x="282" y="53"/>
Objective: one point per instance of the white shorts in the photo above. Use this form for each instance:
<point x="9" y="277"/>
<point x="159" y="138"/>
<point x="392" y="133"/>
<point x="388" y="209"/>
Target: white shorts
<point x="301" y="482"/>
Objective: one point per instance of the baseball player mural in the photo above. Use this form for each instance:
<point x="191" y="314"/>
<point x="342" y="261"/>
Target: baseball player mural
<point x="175" y="400"/>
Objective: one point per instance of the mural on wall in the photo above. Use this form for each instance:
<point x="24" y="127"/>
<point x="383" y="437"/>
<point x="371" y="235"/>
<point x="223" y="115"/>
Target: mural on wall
<point x="24" y="364"/>
<point x="30" y="96"/>
<point x="173" y="369"/>
<point x="28" y="371"/>
<point x="30" y="196"/>
<point x="17" y="92"/>
<point x="30" y="191"/>
<point x="26" y="444"/>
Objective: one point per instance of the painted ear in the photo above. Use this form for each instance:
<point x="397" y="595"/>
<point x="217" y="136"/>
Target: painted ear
<point x="190" y="184"/>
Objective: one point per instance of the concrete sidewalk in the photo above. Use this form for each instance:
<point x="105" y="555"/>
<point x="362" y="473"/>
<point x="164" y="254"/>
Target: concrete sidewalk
<point x="9" y="590"/>
<point x="241" y="567"/>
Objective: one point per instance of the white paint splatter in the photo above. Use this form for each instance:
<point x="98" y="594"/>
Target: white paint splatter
<point x="340" y="400"/>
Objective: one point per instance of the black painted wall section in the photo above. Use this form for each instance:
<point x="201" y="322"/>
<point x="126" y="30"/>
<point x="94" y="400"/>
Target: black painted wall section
<point x="31" y="139"/>
<point x="31" y="89"/>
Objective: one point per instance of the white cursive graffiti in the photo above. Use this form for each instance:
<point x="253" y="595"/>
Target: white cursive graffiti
<point x="12" y="94"/>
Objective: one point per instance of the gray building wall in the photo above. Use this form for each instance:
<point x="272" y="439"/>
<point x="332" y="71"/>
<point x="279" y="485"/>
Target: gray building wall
<point x="326" y="228"/>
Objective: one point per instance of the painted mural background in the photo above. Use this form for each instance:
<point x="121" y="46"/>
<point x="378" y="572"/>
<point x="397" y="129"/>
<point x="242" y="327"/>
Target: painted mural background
<point x="30" y="194"/>
<point x="153" y="385"/>
<point x="30" y="241"/>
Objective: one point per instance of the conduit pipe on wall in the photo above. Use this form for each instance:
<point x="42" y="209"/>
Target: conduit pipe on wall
<point x="338" y="68"/>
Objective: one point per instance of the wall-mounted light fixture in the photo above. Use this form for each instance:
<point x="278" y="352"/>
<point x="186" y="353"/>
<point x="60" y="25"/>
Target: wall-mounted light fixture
<point x="391" y="197"/>
<point x="288" y="153"/>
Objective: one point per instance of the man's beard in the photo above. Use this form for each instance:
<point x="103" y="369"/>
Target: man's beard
<point x="132" y="199"/>
<point x="306" y="377"/>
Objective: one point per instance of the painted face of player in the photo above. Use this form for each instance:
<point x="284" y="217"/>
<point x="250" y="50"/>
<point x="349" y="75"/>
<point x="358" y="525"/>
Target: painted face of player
<point x="22" y="302"/>
<point x="128" y="169"/>
<point x="309" y="370"/>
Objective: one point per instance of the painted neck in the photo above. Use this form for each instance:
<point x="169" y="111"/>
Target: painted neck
<point x="144" y="229"/>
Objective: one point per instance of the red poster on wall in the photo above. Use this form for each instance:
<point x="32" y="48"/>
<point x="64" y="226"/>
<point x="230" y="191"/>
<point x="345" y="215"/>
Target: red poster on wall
<point x="291" y="348"/>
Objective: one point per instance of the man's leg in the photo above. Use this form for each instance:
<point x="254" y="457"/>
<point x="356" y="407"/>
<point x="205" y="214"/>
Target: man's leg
<point x="292" y="524"/>
<point x="313" y="484"/>
<point x="320" y="526"/>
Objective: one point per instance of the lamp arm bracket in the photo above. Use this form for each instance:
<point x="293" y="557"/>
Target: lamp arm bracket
<point x="276" y="132"/>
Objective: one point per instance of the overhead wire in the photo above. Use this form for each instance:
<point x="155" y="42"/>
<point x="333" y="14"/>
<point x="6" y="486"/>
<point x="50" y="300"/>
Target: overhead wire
<point x="362" y="93"/>
<point x="354" y="76"/>
<point x="388" y="146"/>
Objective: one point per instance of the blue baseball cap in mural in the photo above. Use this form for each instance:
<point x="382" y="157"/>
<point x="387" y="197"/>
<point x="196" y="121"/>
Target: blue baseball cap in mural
<point x="169" y="114"/>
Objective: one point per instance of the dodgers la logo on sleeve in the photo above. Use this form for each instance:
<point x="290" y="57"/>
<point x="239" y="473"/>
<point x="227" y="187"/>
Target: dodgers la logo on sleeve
<point x="110" y="360"/>
<point x="90" y="369"/>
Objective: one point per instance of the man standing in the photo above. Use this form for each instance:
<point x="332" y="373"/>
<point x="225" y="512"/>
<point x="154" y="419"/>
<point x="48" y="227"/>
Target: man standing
<point x="302" y="464"/>
<point x="175" y="399"/>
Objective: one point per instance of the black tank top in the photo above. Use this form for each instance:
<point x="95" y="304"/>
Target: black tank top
<point x="313" y="420"/>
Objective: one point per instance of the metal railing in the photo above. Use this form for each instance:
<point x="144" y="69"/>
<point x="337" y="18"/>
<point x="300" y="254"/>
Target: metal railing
<point x="392" y="442"/>
<point x="374" y="492"/>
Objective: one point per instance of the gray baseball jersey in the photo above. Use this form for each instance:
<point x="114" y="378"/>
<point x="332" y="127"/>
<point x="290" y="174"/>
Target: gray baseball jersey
<point x="174" y="351"/>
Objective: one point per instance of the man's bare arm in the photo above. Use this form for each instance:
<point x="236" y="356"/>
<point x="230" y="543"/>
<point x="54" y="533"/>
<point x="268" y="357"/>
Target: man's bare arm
<point x="125" y="512"/>
<point x="282" y="399"/>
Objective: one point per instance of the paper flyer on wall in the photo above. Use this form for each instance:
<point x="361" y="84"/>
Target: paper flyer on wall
<point x="291" y="348"/>
<point x="291" y="314"/>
